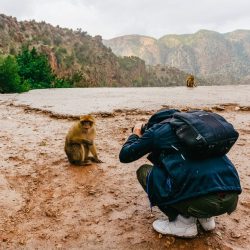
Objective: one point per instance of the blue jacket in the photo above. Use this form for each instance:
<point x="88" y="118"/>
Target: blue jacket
<point x="174" y="178"/>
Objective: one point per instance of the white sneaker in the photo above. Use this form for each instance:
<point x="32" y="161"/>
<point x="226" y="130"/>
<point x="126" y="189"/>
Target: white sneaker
<point x="207" y="224"/>
<point x="182" y="227"/>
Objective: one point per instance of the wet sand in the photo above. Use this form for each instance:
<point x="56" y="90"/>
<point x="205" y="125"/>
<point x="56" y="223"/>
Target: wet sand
<point x="93" y="100"/>
<point x="46" y="203"/>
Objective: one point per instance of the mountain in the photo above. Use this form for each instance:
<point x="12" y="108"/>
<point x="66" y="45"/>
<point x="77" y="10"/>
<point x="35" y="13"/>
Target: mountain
<point x="86" y="60"/>
<point x="73" y="54"/>
<point x="219" y="58"/>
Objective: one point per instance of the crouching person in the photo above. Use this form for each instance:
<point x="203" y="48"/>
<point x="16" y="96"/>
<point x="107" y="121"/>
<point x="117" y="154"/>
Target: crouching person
<point x="186" y="191"/>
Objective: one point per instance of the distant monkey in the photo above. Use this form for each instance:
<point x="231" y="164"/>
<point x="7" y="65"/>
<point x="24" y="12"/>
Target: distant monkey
<point x="80" y="140"/>
<point x="190" y="81"/>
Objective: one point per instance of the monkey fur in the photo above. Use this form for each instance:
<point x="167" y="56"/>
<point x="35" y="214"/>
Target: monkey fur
<point x="190" y="81"/>
<point x="80" y="141"/>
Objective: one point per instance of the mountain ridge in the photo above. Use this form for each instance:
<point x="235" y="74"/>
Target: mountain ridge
<point x="87" y="62"/>
<point x="72" y="53"/>
<point x="215" y="56"/>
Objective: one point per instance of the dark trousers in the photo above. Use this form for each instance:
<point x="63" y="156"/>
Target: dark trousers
<point x="202" y="207"/>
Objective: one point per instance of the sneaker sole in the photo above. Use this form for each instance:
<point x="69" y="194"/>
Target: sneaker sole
<point x="175" y="235"/>
<point x="206" y="229"/>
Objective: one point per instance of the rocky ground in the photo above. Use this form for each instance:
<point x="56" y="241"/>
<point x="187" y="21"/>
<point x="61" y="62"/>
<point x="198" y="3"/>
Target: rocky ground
<point x="46" y="203"/>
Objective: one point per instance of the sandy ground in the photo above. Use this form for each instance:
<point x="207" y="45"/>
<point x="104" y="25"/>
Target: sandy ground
<point x="76" y="101"/>
<point x="46" y="203"/>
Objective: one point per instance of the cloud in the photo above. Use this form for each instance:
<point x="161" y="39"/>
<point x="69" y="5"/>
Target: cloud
<point x="111" y="18"/>
<point x="16" y="8"/>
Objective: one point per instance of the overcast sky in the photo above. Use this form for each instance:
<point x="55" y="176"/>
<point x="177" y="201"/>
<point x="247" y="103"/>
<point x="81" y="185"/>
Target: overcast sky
<point x="111" y="18"/>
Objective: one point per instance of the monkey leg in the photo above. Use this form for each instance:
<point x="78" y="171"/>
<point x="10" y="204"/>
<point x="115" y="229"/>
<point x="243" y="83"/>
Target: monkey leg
<point x="86" y="160"/>
<point x="86" y="152"/>
<point x="74" y="153"/>
<point x="85" y="163"/>
<point x="94" y="153"/>
<point x="93" y="159"/>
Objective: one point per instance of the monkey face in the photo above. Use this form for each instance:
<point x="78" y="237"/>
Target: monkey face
<point x="87" y="121"/>
<point x="86" y="124"/>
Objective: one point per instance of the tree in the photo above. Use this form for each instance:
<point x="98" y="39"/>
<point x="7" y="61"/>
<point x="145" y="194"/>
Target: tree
<point x="35" y="68"/>
<point x="9" y="79"/>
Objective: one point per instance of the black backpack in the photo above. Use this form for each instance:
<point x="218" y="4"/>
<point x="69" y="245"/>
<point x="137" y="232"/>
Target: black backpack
<point x="202" y="134"/>
<point x="158" y="117"/>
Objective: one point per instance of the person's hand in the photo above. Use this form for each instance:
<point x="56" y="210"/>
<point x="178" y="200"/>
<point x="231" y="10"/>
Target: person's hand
<point x="137" y="129"/>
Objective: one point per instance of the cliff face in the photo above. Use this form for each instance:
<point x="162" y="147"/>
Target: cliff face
<point x="71" y="53"/>
<point x="220" y="58"/>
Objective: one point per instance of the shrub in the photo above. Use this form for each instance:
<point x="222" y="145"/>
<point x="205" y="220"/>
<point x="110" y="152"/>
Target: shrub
<point x="10" y="81"/>
<point x="35" y="69"/>
<point x="62" y="83"/>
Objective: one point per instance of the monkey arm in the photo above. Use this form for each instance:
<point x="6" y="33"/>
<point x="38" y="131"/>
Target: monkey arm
<point x="79" y="140"/>
<point x="94" y="153"/>
<point x="87" y="142"/>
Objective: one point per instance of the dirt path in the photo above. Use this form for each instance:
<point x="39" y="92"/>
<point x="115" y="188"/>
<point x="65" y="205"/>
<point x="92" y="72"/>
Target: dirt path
<point x="48" y="204"/>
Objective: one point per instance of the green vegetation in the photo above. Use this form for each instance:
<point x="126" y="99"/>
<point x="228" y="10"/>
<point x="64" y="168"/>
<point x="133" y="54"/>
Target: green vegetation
<point x="35" y="69"/>
<point x="129" y="62"/>
<point x="10" y="81"/>
<point x="77" y="59"/>
<point x="28" y="70"/>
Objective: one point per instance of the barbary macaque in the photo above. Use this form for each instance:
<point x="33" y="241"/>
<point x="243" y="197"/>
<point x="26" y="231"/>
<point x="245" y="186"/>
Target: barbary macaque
<point x="80" y="140"/>
<point x="190" y="81"/>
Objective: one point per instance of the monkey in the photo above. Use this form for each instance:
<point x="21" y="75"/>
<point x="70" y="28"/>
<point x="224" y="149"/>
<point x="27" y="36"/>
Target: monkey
<point x="80" y="140"/>
<point x="190" y="81"/>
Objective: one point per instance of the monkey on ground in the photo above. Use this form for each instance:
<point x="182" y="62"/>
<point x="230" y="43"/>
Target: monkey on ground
<point x="80" y="140"/>
<point x="190" y="81"/>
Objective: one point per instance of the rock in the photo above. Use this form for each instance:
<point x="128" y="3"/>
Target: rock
<point x="91" y="192"/>
<point x="235" y="235"/>
<point x="118" y="111"/>
<point x="208" y="109"/>
<point x="170" y="241"/>
<point x="150" y="216"/>
<point x="219" y="108"/>
<point x="160" y="236"/>
<point x="50" y="213"/>
<point x="245" y="203"/>
<point x="218" y="233"/>
<point x="236" y="220"/>
<point x="107" y="114"/>
<point x="244" y="108"/>
<point x="58" y="245"/>
<point x="208" y="242"/>
<point x="22" y="241"/>
<point x="42" y="236"/>
<point x="167" y="244"/>
<point x="129" y="228"/>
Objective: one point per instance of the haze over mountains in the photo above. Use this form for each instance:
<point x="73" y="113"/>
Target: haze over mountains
<point x="220" y="58"/>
